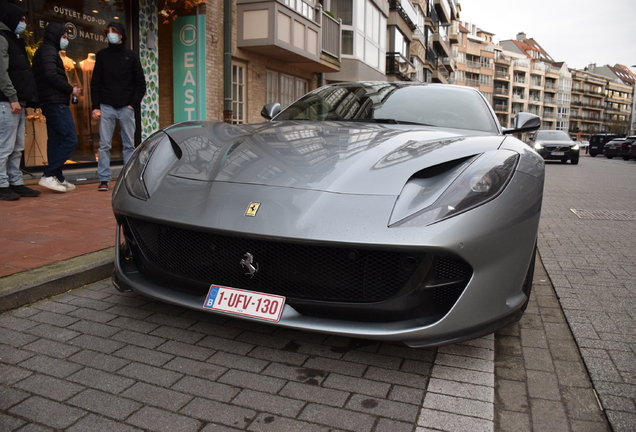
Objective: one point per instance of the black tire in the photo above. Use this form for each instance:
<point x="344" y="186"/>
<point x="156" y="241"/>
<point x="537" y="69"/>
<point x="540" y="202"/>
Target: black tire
<point x="593" y="154"/>
<point x="574" y="161"/>
<point x="609" y="157"/>
<point x="625" y="158"/>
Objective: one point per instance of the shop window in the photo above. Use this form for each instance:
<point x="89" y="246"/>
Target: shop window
<point x="284" y="89"/>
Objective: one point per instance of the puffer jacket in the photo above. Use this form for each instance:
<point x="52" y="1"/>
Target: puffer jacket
<point x="48" y="69"/>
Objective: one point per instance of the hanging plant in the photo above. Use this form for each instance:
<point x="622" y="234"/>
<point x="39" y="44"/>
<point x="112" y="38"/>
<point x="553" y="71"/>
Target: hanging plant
<point x="169" y="14"/>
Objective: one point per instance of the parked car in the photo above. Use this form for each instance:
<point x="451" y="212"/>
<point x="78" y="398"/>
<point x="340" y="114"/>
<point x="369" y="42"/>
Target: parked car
<point x="613" y="148"/>
<point x="388" y="211"/>
<point x="632" y="151"/>
<point x="556" y="145"/>
<point x="584" y="145"/>
<point x="625" y="147"/>
<point x="598" y="141"/>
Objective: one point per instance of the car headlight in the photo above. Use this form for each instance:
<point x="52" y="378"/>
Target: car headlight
<point x="474" y="182"/>
<point x="538" y="145"/>
<point x="575" y="146"/>
<point x="148" y="165"/>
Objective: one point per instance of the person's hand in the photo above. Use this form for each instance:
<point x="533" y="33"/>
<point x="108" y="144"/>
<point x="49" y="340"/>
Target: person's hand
<point x="130" y="106"/>
<point x="96" y="114"/>
<point x="16" y="108"/>
<point x="76" y="91"/>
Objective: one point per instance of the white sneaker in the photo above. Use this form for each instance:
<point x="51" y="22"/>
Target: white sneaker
<point x="67" y="185"/>
<point x="52" y="183"/>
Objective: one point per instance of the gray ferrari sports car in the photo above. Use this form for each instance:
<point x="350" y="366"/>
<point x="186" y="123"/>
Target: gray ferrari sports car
<point x="380" y="210"/>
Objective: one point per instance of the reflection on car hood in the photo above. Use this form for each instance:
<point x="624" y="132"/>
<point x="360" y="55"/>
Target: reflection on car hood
<point x="340" y="157"/>
<point x="560" y="143"/>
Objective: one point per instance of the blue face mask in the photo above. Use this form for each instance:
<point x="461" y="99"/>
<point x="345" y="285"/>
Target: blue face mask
<point x="63" y="44"/>
<point x="113" y="38"/>
<point x="20" y="28"/>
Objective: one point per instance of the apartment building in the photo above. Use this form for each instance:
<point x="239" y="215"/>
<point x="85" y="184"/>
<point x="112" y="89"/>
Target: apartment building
<point x="587" y="105"/>
<point x="620" y="103"/>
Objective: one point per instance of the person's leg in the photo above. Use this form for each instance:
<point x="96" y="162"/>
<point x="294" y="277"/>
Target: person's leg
<point x="127" y="126"/>
<point x="8" y="131"/>
<point x="106" y="130"/>
<point x="13" y="163"/>
<point x="53" y="165"/>
<point x="68" y="134"/>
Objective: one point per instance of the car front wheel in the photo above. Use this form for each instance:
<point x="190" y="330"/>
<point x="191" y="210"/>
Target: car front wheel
<point x="575" y="161"/>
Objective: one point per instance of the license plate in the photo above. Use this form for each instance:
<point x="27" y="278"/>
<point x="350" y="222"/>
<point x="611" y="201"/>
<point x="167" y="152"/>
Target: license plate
<point x="558" y="153"/>
<point x="594" y="147"/>
<point x="246" y="303"/>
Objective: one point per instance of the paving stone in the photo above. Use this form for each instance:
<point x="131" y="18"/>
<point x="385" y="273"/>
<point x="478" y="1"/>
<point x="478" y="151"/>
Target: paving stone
<point x="463" y="362"/>
<point x="268" y="403"/>
<point x="93" y="423"/>
<point x="10" y="423"/>
<point x="13" y="355"/>
<point x="313" y="393"/>
<point x="194" y="368"/>
<point x="206" y="388"/>
<point x="15" y="323"/>
<point x="281" y="356"/>
<point x="157" y="396"/>
<point x="227" y="345"/>
<point x="357" y="385"/>
<point x="95" y="329"/>
<point x="387" y="425"/>
<point x="47" y="412"/>
<point x="572" y="374"/>
<point x="186" y="350"/>
<point x="55" y="319"/>
<point x="49" y="387"/>
<point x="170" y="320"/>
<point x="384" y="408"/>
<point x="150" y="374"/>
<point x="52" y="332"/>
<point x="337" y="366"/>
<point x="51" y="348"/>
<point x="226" y="414"/>
<point x="252" y="381"/>
<point x="463" y="375"/>
<point x="149" y="418"/>
<point x="461" y="389"/>
<point x="139" y="339"/>
<point x="266" y="422"/>
<point x="337" y="418"/>
<point x="445" y="421"/>
<point x="128" y="323"/>
<point x="548" y="415"/>
<point x="229" y="360"/>
<point x="50" y="366"/>
<point x="538" y="359"/>
<point x="10" y="396"/>
<point x="101" y="380"/>
<point x="396" y="377"/>
<point x="143" y="355"/>
<point x="581" y="404"/>
<point x="381" y="361"/>
<point x="98" y="360"/>
<point x="510" y="421"/>
<point x="105" y="404"/>
<point x="460" y="406"/>
<point x="407" y="394"/>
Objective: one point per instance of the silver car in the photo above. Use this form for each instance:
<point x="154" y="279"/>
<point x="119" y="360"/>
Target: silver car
<point x="387" y="211"/>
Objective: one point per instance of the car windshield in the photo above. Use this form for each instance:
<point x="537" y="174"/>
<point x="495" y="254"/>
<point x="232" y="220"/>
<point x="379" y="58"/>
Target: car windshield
<point x="395" y="103"/>
<point x="552" y="136"/>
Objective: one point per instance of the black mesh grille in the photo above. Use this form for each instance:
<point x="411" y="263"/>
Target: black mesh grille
<point x="293" y="270"/>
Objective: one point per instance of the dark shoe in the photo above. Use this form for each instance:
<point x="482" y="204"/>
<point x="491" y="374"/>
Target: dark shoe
<point x="103" y="186"/>
<point x="24" y="191"/>
<point x="6" y="194"/>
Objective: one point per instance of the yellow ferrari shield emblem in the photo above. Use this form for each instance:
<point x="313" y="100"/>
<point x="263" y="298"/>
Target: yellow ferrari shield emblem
<point x="252" y="209"/>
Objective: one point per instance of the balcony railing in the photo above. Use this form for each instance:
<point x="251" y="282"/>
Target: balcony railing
<point x="473" y="64"/>
<point x="501" y="91"/>
<point x="501" y="107"/>
<point x="472" y="82"/>
<point x="406" y="11"/>
<point x="503" y="75"/>
<point x="331" y="36"/>
<point x="399" y="65"/>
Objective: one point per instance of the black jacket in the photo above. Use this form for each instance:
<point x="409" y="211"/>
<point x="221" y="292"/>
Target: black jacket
<point x="19" y="69"/>
<point x="118" y="78"/>
<point x="48" y="69"/>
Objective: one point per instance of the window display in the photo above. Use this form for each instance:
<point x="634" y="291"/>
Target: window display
<point x="85" y="22"/>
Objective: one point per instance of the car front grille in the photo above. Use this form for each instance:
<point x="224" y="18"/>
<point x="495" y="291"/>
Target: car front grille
<point x="294" y="270"/>
<point x="552" y="148"/>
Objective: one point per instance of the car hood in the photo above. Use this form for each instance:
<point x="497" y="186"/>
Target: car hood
<point x="339" y="157"/>
<point x="559" y="143"/>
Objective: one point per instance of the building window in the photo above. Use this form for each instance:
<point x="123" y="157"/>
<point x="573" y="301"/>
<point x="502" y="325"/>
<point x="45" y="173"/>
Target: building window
<point x="238" y="93"/>
<point x="284" y="89"/>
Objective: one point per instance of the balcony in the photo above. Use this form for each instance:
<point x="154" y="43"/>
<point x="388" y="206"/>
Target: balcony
<point x="502" y="75"/>
<point x="449" y="63"/>
<point x="441" y="75"/>
<point x="549" y="101"/>
<point x="305" y="37"/>
<point x="399" y="66"/>
<point x="443" y="12"/>
<point x="501" y="91"/>
<point x="454" y="33"/>
<point x="501" y="108"/>
<point x="442" y="42"/>
<point x="405" y="9"/>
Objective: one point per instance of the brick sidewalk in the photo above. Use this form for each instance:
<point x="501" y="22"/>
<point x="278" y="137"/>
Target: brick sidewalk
<point x="54" y="227"/>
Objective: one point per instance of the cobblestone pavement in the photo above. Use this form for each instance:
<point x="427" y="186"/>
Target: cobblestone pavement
<point x="95" y="359"/>
<point x="587" y="241"/>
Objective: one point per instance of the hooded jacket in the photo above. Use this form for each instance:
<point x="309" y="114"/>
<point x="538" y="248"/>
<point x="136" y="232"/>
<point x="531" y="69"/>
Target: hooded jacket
<point x="16" y="77"/>
<point x="48" y="69"/>
<point x="118" y="78"/>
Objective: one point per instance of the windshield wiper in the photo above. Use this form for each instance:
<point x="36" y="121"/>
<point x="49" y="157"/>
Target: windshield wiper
<point x="386" y="120"/>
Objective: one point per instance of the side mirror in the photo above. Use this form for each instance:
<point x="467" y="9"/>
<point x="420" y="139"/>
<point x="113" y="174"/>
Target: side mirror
<point x="524" y="122"/>
<point x="271" y="110"/>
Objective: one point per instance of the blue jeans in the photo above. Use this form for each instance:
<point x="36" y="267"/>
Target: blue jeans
<point x="62" y="139"/>
<point x="11" y="145"/>
<point x="109" y="116"/>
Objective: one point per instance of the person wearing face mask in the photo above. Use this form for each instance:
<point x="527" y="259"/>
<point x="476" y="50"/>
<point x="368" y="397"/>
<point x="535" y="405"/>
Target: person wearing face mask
<point x="117" y="87"/>
<point x="17" y="91"/>
<point x="55" y="92"/>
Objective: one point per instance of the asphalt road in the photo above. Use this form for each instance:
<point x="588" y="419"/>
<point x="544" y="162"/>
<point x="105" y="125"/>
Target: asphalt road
<point x="95" y="359"/>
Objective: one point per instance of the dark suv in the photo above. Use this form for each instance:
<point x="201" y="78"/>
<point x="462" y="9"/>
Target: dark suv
<point x="556" y="145"/>
<point x="598" y="141"/>
<point x="626" y="146"/>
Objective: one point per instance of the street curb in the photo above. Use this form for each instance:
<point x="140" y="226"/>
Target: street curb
<point x="32" y="285"/>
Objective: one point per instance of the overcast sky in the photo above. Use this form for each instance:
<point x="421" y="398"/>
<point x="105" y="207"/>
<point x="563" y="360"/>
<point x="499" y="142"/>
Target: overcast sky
<point x="578" y="32"/>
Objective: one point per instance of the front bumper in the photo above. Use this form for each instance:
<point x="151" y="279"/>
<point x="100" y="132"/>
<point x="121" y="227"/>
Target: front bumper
<point x="495" y="240"/>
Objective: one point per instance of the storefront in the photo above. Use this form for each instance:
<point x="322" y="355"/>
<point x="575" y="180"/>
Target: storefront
<point x="85" y="21"/>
